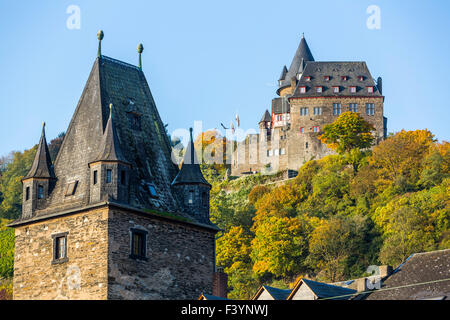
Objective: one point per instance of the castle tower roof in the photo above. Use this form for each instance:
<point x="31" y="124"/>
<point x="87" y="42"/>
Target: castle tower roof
<point x="42" y="165"/>
<point x="302" y="56"/>
<point x="110" y="146"/>
<point x="190" y="172"/>
<point x="266" y="117"/>
<point x="283" y="73"/>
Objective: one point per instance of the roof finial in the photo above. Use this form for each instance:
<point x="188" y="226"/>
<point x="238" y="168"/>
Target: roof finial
<point x="110" y="110"/>
<point x="43" y="128"/>
<point x="303" y="35"/>
<point x="100" y="36"/>
<point x="140" y="48"/>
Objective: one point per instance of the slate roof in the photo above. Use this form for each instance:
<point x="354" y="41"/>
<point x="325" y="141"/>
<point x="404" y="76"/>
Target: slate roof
<point x="278" y="294"/>
<point x="302" y="56"/>
<point x="266" y="117"/>
<point x="280" y="105"/>
<point x="92" y="135"/>
<point x="418" y="268"/>
<point x="335" y="71"/>
<point x="110" y="146"/>
<point x="324" y="290"/>
<point x="42" y="164"/>
<point x="190" y="171"/>
<point x="205" y="296"/>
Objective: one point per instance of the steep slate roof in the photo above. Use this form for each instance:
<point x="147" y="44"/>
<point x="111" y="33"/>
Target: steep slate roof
<point x="303" y="53"/>
<point x="205" y="296"/>
<point x="324" y="290"/>
<point x="266" y="117"/>
<point x="335" y="70"/>
<point x="418" y="268"/>
<point x="278" y="294"/>
<point x="283" y="73"/>
<point x="91" y="136"/>
<point x="110" y="146"/>
<point x="190" y="169"/>
<point x="42" y="164"/>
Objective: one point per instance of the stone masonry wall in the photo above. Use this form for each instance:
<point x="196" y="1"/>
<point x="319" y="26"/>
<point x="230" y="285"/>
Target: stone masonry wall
<point x="179" y="260"/>
<point x="83" y="276"/>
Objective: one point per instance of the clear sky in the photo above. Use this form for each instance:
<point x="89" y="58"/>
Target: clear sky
<point x="207" y="60"/>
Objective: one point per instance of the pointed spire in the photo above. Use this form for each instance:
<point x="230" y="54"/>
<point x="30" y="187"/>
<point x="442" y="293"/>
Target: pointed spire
<point x="283" y="73"/>
<point x="110" y="147"/>
<point x="140" y="48"/>
<point x="190" y="171"/>
<point x="100" y="36"/>
<point x="266" y="117"/>
<point x="42" y="165"/>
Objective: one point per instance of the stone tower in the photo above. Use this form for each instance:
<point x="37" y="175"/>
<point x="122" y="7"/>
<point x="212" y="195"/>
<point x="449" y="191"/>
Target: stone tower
<point x="106" y="220"/>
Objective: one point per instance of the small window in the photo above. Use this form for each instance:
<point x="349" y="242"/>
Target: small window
<point x="270" y="153"/>
<point x="302" y="89"/>
<point x="336" y="109"/>
<point x="191" y="197"/>
<point x="344" y="78"/>
<point x="123" y="177"/>
<point x="108" y="175"/>
<point x="319" y="89"/>
<point x="40" y="194"/>
<point x="336" y="89"/>
<point x="302" y="129"/>
<point x="361" y="78"/>
<point x="27" y="193"/>
<point x="306" y="145"/>
<point x="370" y="109"/>
<point x="370" y="89"/>
<point x="308" y="78"/>
<point x="316" y="128"/>
<point x="352" y="89"/>
<point x="282" y="151"/>
<point x="353" y="107"/>
<point x="204" y="199"/>
<point x="326" y="78"/>
<point x="95" y="177"/>
<point x="60" y="247"/>
<point x="138" y="244"/>
<point x="275" y="152"/>
<point x="304" y="111"/>
<point x="71" y="188"/>
<point x="317" y="111"/>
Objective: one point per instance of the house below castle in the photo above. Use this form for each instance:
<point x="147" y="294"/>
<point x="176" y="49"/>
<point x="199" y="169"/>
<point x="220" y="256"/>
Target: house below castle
<point x="312" y="94"/>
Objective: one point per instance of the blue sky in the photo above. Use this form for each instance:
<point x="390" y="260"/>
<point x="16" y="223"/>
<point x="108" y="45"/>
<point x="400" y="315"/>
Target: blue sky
<point x="207" y="60"/>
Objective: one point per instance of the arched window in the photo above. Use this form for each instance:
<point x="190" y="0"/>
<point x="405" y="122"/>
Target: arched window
<point x="191" y="197"/>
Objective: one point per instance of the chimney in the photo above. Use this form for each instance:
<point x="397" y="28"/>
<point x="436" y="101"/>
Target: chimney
<point x="380" y="85"/>
<point x="220" y="283"/>
<point x="361" y="284"/>
<point x="385" y="271"/>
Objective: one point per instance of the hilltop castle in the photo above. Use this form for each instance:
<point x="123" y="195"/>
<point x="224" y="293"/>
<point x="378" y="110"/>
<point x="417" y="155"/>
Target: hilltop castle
<point x="312" y="94"/>
<point x="113" y="217"/>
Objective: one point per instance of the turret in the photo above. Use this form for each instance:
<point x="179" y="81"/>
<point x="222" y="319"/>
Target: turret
<point x="37" y="184"/>
<point x="192" y="186"/>
<point x="110" y="170"/>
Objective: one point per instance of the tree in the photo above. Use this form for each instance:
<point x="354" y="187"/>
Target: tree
<point x="349" y="131"/>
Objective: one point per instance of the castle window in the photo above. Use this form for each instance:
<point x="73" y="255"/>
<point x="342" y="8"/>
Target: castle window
<point x="282" y="151"/>
<point x="191" y="197"/>
<point x="304" y="111"/>
<point x="336" y="89"/>
<point x="326" y="78"/>
<point x="302" y="129"/>
<point x="316" y="129"/>
<point x="317" y="111"/>
<point x="138" y="244"/>
<point x="308" y="78"/>
<point x="204" y="199"/>
<point x="276" y="152"/>
<point x="27" y="193"/>
<point x="306" y="145"/>
<point x="302" y="89"/>
<point x="40" y="192"/>
<point x="352" y="89"/>
<point x="336" y="109"/>
<point x="370" y="109"/>
<point x="108" y="175"/>
<point x="95" y="177"/>
<point x="123" y="177"/>
<point x="319" y="89"/>
<point x="370" y="89"/>
<point x="353" y="107"/>
<point x="59" y="247"/>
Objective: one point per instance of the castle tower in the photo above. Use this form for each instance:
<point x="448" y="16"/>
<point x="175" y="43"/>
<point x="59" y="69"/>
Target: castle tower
<point x="38" y="182"/>
<point x="105" y="222"/>
<point x="191" y="185"/>
<point x="110" y="170"/>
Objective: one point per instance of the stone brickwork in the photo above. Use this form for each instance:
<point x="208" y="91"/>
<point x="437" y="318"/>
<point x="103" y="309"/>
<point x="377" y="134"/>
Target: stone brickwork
<point x="179" y="264"/>
<point x="83" y="276"/>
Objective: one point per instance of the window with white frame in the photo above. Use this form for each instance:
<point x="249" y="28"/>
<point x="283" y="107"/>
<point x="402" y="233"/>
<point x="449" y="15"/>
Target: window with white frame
<point x="316" y="128"/>
<point x="335" y="89"/>
<point x="352" y="89"/>
<point x="304" y="111"/>
<point x="302" y="89"/>
<point x="353" y="107"/>
<point x="317" y="111"/>
<point x="370" y="109"/>
<point x="370" y="89"/>
<point x="336" y="109"/>
<point x="319" y="89"/>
